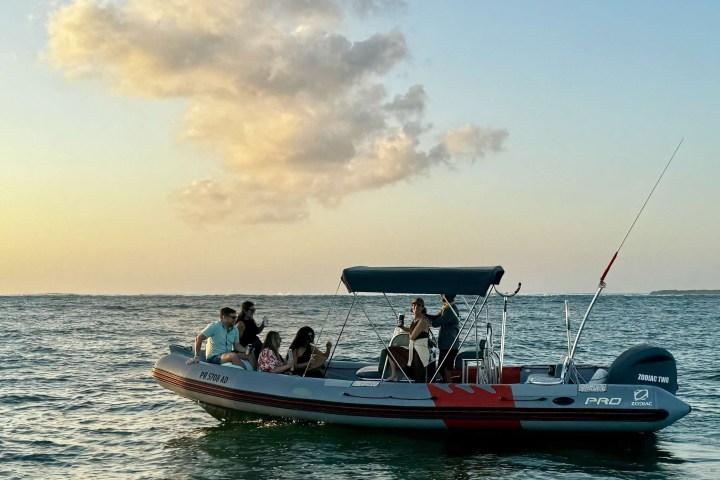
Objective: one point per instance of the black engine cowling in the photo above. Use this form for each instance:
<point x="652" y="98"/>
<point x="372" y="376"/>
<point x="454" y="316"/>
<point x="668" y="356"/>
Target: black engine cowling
<point x="645" y="365"/>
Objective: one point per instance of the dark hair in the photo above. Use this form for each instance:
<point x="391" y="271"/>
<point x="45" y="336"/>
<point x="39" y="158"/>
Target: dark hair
<point x="301" y="338"/>
<point x="246" y="305"/>
<point x="227" y="311"/>
<point x="420" y="303"/>
<point x="269" y="341"/>
<point x="449" y="296"/>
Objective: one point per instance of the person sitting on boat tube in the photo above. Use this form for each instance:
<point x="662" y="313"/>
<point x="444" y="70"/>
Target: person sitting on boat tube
<point x="308" y="359"/>
<point x="448" y="319"/>
<point x="223" y="341"/>
<point x="269" y="359"/>
<point x="249" y="329"/>
<point x="415" y="358"/>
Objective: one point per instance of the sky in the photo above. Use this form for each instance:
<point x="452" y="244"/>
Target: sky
<point x="253" y="147"/>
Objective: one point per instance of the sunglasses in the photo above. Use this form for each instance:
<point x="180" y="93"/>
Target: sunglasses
<point x="230" y="316"/>
<point x="251" y="309"/>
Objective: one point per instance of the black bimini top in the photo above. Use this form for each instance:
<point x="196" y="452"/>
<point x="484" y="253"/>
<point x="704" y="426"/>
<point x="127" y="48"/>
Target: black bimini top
<point x="457" y="280"/>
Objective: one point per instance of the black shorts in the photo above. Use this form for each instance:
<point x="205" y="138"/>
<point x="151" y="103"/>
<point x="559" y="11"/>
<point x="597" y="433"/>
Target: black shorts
<point x="448" y="362"/>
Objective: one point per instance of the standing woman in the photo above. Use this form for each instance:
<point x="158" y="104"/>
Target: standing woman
<point x="308" y="359"/>
<point x="448" y="319"/>
<point x="415" y="358"/>
<point x="269" y="359"/>
<point x="249" y="329"/>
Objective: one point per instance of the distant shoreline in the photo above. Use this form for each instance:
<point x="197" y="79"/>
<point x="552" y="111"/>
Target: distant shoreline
<point x="262" y="295"/>
<point x="685" y="292"/>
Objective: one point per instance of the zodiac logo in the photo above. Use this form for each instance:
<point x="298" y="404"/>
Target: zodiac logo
<point x="641" y="395"/>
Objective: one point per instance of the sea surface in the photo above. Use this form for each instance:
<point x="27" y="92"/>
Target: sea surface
<point x="77" y="399"/>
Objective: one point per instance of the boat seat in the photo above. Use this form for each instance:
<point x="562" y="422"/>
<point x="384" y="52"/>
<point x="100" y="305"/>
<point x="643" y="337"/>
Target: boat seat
<point x="188" y="351"/>
<point x="371" y="372"/>
<point x="245" y="366"/>
<point x="599" y="377"/>
<point x="469" y="354"/>
<point x="400" y="340"/>
<point x="552" y="377"/>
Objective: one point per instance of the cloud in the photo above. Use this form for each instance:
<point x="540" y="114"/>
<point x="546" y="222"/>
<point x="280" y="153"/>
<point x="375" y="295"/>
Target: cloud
<point x="297" y="109"/>
<point x="473" y="142"/>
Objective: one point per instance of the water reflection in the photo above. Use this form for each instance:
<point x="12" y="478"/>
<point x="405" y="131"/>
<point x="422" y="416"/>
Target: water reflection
<point x="326" y="451"/>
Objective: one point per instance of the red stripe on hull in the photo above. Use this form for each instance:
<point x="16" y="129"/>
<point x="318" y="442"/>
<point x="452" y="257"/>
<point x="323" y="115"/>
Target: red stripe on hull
<point x="496" y="396"/>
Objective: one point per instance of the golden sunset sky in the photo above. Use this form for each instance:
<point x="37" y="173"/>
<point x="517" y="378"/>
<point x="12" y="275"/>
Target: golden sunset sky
<point x="187" y="146"/>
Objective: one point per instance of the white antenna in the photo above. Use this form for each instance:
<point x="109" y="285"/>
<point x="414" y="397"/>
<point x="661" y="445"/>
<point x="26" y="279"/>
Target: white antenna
<point x="567" y="324"/>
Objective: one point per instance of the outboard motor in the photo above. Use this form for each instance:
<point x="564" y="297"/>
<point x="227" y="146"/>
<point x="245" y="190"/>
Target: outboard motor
<point x="645" y="365"/>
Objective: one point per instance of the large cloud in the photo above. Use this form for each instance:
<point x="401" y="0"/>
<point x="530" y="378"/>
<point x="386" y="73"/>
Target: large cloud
<point x="297" y="109"/>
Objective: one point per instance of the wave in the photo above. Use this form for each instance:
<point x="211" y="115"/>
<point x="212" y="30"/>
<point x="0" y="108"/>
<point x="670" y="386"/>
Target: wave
<point x="31" y="398"/>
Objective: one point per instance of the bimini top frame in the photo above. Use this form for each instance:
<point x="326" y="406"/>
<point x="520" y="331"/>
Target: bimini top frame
<point x="474" y="281"/>
<point x="425" y="280"/>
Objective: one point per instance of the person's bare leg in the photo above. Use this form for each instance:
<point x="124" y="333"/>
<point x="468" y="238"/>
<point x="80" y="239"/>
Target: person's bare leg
<point x="393" y="371"/>
<point x="250" y="358"/>
<point x="235" y="358"/>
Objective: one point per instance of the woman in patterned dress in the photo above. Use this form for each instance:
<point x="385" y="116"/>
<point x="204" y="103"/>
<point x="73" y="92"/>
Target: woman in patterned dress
<point x="269" y="359"/>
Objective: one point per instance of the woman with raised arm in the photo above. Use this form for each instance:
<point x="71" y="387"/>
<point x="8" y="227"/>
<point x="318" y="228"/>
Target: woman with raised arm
<point x="415" y="358"/>
<point x="250" y="330"/>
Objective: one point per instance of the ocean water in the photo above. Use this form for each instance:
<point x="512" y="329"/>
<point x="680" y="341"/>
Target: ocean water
<point x="77" y="399"/>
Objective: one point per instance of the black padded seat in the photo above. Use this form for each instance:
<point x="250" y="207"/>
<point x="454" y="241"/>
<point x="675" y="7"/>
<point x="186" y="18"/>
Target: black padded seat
<point x="470" y="354"/>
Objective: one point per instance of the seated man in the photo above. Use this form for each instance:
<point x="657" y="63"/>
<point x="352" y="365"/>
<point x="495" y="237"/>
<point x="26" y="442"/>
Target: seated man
<point x="223" y="341"/>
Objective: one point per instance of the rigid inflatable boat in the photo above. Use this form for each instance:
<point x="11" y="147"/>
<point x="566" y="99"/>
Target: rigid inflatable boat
<point x="635" y="393"/>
